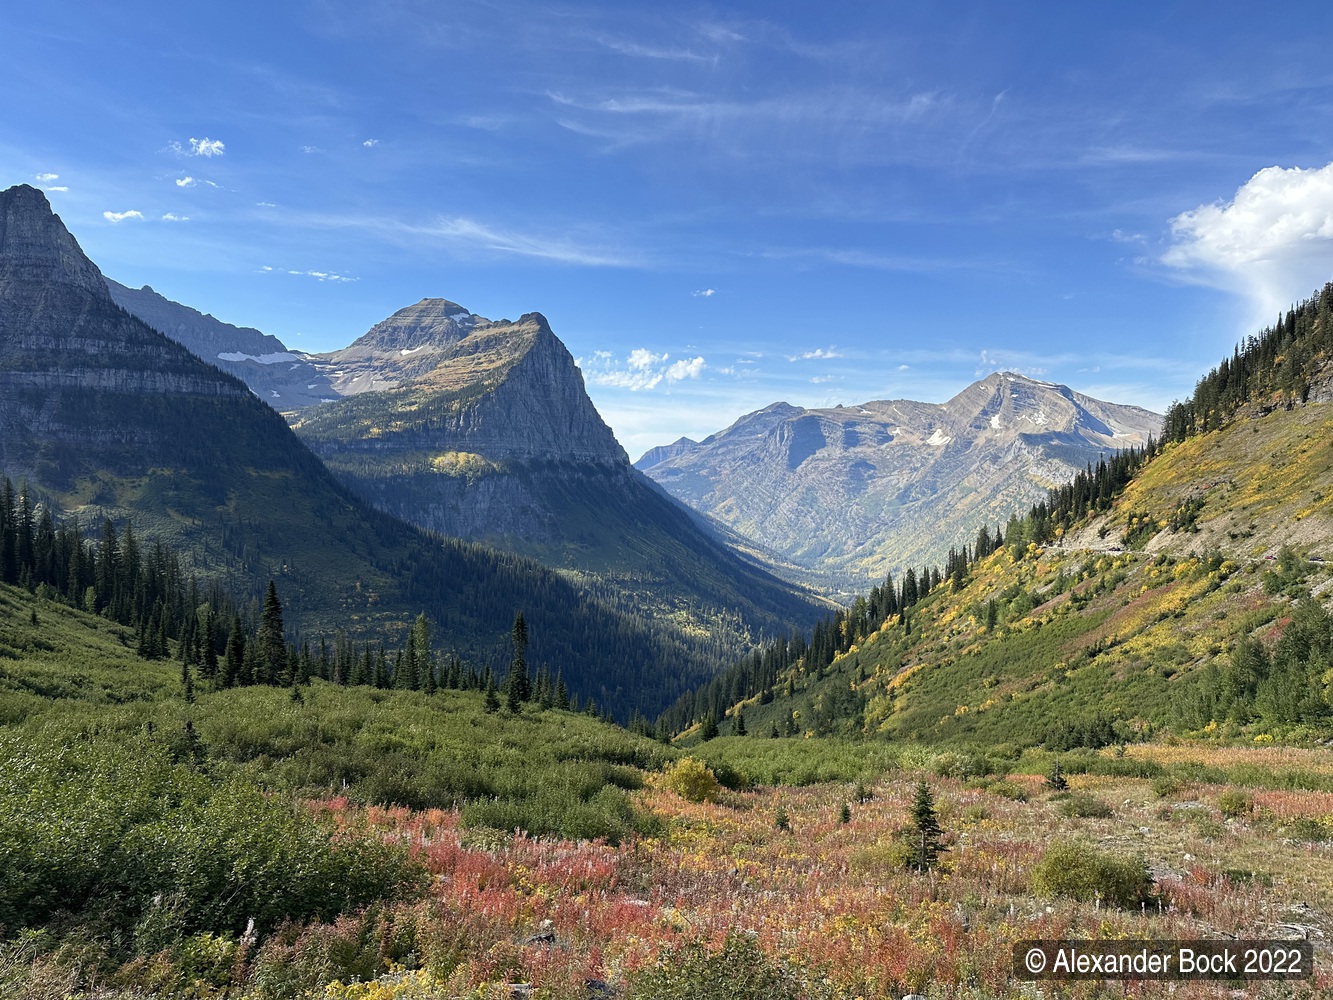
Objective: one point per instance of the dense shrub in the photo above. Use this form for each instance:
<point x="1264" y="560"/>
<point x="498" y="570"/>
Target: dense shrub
<point x="738" y="971"/>
<point x="162" y="851"/>
<point x="962" y="764"/>
<point x="1233" y="802"/>
<point x="606" y="814"/>
<point x="1081" y="805"/>
<point x="693" y="781"/>
<point x="1077" y="870"/>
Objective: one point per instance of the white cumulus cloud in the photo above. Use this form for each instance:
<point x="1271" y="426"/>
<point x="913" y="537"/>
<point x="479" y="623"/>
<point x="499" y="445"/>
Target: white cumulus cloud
<point x="47" y="178"/>
<point x="642" y="359"/>
<point x="704" y="293"/>
<point x="186" y="181"/>
<point x="680" y="370"/>
<point x="57" y="187"/>
<point x="1272" y="242"/>
<point x="121" y="216"/>
<point x="371" y="143"/>
<point x="642" y="369"/>
<point x="173" y="217"/>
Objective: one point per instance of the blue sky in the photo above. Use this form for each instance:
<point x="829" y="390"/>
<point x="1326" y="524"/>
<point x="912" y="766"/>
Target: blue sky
<point x="716" y="207"/>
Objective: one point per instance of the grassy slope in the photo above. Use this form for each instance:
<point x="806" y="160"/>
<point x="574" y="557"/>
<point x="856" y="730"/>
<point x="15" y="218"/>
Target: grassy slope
<point x="72" y="674"/>
<point x="1094" y="625"/>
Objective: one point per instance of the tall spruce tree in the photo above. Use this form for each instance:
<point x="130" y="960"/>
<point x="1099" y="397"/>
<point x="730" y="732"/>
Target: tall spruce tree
<point x="520" y="684"/>
<point x="926" y="828"/>
<point x="234" y="660"/>
<point x="272" y="646"/>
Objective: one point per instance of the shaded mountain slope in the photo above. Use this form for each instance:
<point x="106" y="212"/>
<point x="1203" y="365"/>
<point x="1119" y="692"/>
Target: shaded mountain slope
<point x="105" y="416"/>
<point x="497" y="441"/>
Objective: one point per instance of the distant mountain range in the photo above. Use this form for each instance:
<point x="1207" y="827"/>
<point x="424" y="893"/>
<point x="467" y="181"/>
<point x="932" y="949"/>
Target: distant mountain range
<point x="852" y="492"/>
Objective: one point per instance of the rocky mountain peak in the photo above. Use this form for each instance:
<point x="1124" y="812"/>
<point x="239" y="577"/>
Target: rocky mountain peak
<point x="856" y="490"/>
<point x="36" y="250"/>
<point x="430" y="323"/>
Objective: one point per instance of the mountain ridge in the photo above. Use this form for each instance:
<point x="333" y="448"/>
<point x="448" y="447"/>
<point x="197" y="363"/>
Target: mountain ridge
<point x="496" y="440"/>
<point x="857" y="491"/>
<point x="106" y="417"/>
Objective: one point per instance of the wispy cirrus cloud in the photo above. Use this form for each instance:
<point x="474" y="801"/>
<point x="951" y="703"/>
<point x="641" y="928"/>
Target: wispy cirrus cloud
<point x="46" y="178"/>
<point x="849" y="121"/>
<point x="818" y="354"/>
<point x="469" y="238"/>
<point x="122" y="216"/>
<point x="704" y="293"/>
<point x="639" y="50"/>
<point x="333" y="276"/>
<point x="173" y="217"/>
<point x="205" y="147"/>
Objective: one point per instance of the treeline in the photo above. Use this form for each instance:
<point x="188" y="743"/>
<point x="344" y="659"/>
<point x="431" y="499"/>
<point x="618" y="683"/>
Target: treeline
<point x="1089" y="492"/>
<point x="759" y="674"/>
<point x="1278" y="367"/>
<point x="116" y="577"/>
<point x="215" y="637"/>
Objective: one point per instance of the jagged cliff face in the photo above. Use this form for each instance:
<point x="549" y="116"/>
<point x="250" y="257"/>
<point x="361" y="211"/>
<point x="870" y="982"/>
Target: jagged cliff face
<point x="283" y="378"/>
<point x="486" y="442"/>
<point x="492" y="437"/>
<point x="73" y="364"/>
<point x="503" y="391"/>
<point x="409" y="343"/>
<point x="494" y="440"/>
<point x="853" y="492"/>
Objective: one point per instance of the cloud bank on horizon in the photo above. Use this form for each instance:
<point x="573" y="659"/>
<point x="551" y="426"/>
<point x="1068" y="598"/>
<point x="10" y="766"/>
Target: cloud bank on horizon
<point x="716" y="209"/>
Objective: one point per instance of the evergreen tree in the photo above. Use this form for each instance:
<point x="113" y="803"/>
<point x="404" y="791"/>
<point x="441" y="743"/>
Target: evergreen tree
<point x="492" y="700"/>
<point x="1056" y="780"/>
<point x="235" y="654"/>
<point x="251" y="667"/>
<point x="740" y="722"/>
<point x="926" y="827"/>
<point x="8" y="534"/>
<point x="272" y="645"/>
<point x="520" y="685"/>
<point x="709" y="728"/>
<point x="209" y="648"/>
